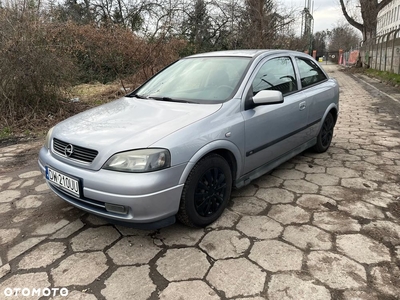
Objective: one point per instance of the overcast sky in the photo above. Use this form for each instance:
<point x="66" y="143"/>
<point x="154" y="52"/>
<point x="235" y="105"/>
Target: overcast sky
<point x="327" y="13"/>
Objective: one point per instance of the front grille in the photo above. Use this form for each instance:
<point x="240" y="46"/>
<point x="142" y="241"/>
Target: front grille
<point x="79" y="153"/>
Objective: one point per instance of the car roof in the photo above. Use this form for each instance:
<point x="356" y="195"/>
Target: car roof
<point x="246" y="53"/>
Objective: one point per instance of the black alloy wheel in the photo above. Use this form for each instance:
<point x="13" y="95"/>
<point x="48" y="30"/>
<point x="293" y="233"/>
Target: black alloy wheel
<point x="206" y="192"/>
<point x="325" y="135"/>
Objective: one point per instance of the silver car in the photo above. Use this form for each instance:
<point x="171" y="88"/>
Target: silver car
<point x="177" y="145"/>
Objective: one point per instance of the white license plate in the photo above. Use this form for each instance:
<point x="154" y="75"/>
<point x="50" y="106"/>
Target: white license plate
<point x="62" y="180"/>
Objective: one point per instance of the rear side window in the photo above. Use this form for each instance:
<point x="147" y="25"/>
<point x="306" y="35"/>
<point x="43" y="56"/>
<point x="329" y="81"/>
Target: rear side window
<point x="310" y="72"/>
<point x="276" y="74"/>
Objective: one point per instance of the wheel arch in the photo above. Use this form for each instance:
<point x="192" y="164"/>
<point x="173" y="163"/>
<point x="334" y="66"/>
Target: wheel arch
<point x="229" y="151"/>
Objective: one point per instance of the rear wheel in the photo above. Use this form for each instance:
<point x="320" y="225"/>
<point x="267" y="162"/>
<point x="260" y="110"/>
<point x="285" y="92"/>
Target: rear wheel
<point x="325" y="135"/>
<point x="206" y="192"/>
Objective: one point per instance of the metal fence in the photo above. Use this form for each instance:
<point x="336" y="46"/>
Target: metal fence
<point x="383" y="53"/>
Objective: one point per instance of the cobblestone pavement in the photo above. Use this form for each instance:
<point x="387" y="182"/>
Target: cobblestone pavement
<point x="321" y="226"/>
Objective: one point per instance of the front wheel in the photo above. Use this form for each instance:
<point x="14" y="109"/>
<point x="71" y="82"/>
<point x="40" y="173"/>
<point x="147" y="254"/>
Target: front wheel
<point x="206" y="192"/>
<point x="325" y="135"/>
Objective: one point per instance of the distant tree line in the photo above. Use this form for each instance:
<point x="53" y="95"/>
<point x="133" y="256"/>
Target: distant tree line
<point x="47" y="47"/>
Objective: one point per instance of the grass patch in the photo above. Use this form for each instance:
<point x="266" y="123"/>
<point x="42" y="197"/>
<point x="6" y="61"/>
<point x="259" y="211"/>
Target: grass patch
<point x="391" y="78"/>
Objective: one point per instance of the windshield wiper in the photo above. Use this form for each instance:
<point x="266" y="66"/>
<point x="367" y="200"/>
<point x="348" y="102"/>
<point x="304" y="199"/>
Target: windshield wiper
<point x="168" y="99"/>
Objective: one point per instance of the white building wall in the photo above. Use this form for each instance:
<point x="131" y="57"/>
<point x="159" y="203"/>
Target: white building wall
<point x="389" y="18"/>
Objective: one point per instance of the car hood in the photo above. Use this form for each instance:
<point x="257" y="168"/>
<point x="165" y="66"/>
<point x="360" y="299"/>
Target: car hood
<point x="129" y="123"/>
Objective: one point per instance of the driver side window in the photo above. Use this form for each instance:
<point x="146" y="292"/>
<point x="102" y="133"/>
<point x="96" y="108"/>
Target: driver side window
<point x="276" y="74"/>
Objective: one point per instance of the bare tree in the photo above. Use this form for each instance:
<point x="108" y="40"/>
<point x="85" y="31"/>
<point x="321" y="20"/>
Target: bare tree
<point x="369" y="14"/>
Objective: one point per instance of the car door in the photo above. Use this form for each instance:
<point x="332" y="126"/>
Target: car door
<point x="319" y="95"/>
<point x="271" y="131"/>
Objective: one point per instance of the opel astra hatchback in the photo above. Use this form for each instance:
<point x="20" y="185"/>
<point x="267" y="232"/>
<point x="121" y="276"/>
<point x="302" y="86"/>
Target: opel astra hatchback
<point x="177" y="145"/>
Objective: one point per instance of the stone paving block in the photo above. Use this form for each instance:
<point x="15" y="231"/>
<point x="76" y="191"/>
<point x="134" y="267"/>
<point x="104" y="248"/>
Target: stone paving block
<point x="248" y="205"/>
<point x="291" y="286"/>
<point x="4" y="208"/>
<point x="94" y="238"/>
<point x="360" y="166"/>
<point x="362" y="152"/>
<point x="322" y="179"/>
<point x="310" y="168"/>
<point x="31" y="201"/>
<point x="289" y="214"/>
<point x="268" y="181"/>
<point x="392" y="188"/>
<point x="30" y="281"/>
<point x="275" y="195"/>
<point x="358" y="295"/>
<point x="391" y="155"/>
<point x="133" y="250"/>
<point x="188" y="290"/>
<point x="30" y="174"/>
<point x="316" y="202"/>
<point x="25" y="214"/>
<point x="28" y="183"/>
<point x="15" y="184"/>
<point x="50" y="228"/>
<point x="362" y="249"/>
<point x="379" y="160"/>
<point x="42" y="187"/>
<point x="260" y="227"/>
<point x="343" y="172"/>
<point x="335" y="222"/>
<point x="68" y="230"/>
<point x="9" y="196"/>
<point x="276" y="256"/>
<point x="300" y="186"/>
<point x="76" y="295"/>
<point x="336" y="271"/>
<point x="4" y="180"/>
<point x="183" y="264"/>
<point x="227" y="219"/>
<point x="180" y="235"/>
<point x="288" y="174"/>
<point x="248" y="190"/>
<point x="328" y="162"/>
<point x="386" y="279"/>
<point x="95" y="220"/>
<point x="340" y="193"/>
<point x="385" y="231"/>
<point x="128" y="231"/>
<point x="345" y="157"/>
<point x="80" y="269"/>
<point x="223" y="244"/>
<point x="8" y="235"/>
<point x="378" y="198"/>
<point x="129" y="283"/>
<point x="236" y="277"/>
<point x="308" y="237"/>
<point x="23" y="246"/>
<point x="4" y="270"/>
<point x="359" y="183"/>
<point x="361" y="209"/>
<point x="43" y="256"/>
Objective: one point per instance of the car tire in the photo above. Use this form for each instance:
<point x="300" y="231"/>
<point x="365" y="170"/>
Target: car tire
<point x="206" y="192"/>
<point x="325" y="135"/>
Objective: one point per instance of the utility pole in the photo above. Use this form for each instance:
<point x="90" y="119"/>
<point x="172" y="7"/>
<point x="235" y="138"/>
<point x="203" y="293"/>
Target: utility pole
<point x="307" y="24"/>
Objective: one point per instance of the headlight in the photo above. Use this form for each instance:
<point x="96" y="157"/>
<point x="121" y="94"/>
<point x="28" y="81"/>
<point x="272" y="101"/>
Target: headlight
<point x="138" y="161"/>
<point x="47" y="142"/>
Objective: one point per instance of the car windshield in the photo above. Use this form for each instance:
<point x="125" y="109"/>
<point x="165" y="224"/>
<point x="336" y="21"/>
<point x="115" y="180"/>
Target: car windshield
<point x="196" y="79"/>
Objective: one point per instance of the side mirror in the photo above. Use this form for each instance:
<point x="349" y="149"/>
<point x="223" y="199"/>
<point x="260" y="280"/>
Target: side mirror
<point x="267" y="97"/>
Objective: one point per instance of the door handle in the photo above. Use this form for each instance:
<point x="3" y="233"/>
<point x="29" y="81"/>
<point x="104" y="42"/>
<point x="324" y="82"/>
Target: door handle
<point x="302" y="105"/>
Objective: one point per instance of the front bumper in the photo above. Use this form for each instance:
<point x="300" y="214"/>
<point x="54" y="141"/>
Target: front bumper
<point x="148" y="197"/>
